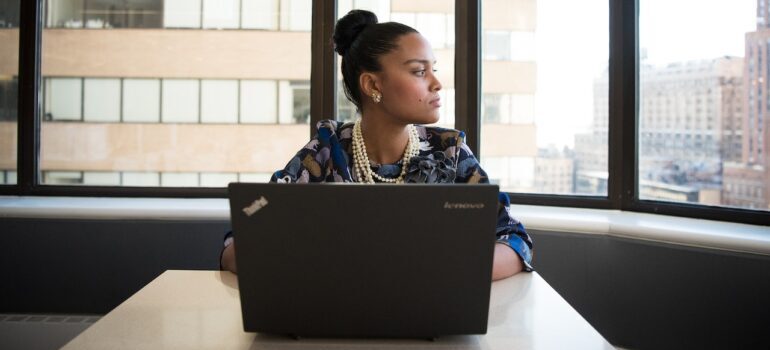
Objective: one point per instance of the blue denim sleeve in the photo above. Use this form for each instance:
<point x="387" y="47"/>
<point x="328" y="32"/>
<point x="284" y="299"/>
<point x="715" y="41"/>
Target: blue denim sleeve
<point x="511" y="232"/>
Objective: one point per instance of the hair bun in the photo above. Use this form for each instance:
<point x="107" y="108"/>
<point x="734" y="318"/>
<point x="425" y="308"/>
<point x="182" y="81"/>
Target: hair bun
<point x="349" y="27"/>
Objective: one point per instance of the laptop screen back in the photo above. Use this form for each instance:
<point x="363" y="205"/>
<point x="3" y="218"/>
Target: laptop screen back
<point x="354" y="260"/>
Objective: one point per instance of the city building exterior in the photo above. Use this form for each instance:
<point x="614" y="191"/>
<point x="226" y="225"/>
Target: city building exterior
<point x="689" y="125"/>
<point x="747" y="179"/>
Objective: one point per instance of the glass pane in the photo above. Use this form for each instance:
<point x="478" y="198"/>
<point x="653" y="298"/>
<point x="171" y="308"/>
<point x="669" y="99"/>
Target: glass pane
<point x="178" y="103"/>
<point x="101" y="99"/>
<point x="221" y="14"/>
<point x="104" y="14"/>
<point x="259" y="14"/>
<point x="219" y="101"/>
<point x="435" y="21"/>
<point x="703" y="106"/>
<point x="258" y="101"/>
<point x="141" y="100"/>
<point x="9" y="89"/>
<point x="545" y="95"/>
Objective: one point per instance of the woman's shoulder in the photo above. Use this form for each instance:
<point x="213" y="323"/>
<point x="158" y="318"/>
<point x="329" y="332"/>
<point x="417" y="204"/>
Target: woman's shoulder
<point x="440" y="136"/>
<point x="341" y="128"/>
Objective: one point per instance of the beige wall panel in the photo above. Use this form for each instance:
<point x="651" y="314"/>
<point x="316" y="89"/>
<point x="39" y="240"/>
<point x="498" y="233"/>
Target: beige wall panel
<point x="236" y="54"/>
<point x="434" y="6"/>
<point x="515" y="15"/>
<point x="510" y="140"/>
<point x="509" y="77"/>
<point x="9" y="52"/>
<point x="8" y="144"/>
<point x="169" y="147"/>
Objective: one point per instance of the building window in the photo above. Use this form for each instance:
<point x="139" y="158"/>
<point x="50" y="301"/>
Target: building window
<point x="182" y="13"/>
<point x="180" y="103"/>
<point x="219" y="101"/>
<point x="141" y="100"/>
<point x="100" y="14"/>
<point x="221" y="14"/>
<point x="259" y="14"/>
<point x="101" y="98"/>
<point x="63" y="98"/>
<point x="259" y="101"/>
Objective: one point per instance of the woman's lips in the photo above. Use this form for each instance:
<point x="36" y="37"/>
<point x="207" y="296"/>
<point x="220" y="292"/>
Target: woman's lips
<point x="436" y="102"/>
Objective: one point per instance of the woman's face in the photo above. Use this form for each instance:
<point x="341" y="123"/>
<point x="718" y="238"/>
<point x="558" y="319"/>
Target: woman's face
<point x="408" y="82"/>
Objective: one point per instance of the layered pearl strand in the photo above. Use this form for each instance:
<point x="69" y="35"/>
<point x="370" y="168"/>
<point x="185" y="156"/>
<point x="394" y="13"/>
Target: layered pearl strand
<point x="364" y="172"/>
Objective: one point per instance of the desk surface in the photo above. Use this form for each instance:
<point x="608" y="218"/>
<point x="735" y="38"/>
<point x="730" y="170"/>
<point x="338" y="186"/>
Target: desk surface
<point x="201" y="310"/>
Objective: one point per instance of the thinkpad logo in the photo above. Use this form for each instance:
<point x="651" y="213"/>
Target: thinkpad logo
<point x="449" y="205"/>
<point x="255" y="206"/>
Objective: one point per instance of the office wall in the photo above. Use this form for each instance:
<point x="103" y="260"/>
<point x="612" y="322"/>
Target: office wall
<point x="639" y="295"/>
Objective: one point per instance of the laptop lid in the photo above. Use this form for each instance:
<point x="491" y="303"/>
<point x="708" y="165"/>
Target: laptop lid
<point x="354" y="260"/>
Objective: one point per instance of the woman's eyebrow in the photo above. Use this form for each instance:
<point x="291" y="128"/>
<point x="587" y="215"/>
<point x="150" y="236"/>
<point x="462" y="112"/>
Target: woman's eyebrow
<point x="415" y="60"/>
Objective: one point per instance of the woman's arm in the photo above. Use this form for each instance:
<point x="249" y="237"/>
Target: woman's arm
<point x="228" y="258"/>
<point x="506" y="262"/>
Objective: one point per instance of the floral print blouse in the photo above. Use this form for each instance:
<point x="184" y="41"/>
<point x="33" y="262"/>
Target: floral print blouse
<point x="443" y="158"/>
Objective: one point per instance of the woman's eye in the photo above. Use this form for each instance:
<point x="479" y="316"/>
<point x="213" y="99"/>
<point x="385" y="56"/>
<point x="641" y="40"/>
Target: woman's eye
<point x="420" y="73"/>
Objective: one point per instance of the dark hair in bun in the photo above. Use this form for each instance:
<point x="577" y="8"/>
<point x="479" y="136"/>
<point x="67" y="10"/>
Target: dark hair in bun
<point x="360" y="40"/>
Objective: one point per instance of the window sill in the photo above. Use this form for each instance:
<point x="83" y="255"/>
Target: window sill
<point x="650" y="227"/>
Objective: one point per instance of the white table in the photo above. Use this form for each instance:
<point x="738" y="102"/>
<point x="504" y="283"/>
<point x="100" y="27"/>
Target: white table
<point x="201" y="310"/>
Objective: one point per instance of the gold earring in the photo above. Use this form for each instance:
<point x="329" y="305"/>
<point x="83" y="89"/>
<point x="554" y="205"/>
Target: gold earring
<point x="376" y="96"/>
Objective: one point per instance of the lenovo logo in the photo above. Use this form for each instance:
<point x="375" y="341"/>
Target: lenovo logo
<point x="448" y="205"/>
<point x="255" y="206"/>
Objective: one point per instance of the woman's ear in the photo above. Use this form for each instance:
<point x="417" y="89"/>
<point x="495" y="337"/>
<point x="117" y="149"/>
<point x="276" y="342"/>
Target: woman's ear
<point x="369" y="83"/>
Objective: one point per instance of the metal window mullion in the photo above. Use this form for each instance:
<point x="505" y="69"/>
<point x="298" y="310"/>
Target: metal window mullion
<point x="30" y="35"/>
<point x="468" y="71"/>
<point x="623" y="116"/>
<point x="323" y="89"/>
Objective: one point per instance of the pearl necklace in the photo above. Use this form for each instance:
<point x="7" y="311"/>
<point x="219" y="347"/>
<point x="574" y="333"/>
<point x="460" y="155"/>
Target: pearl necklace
<point x="364" y="172"/>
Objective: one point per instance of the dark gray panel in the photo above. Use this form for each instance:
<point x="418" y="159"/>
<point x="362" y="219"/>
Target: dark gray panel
<point x="645" y="295"/>
<point x="639" y="295"/>
<point x="90" y="266"/>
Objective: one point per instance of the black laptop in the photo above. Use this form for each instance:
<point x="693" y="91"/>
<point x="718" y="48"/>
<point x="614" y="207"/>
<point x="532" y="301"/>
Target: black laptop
<point x="354" y="260"/>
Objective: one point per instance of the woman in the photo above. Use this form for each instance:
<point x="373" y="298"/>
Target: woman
<point x="388" y="72"/>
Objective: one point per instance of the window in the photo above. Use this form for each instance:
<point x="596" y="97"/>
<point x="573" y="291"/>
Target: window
<point x="181" y="98"/>
<point x="193" y="101"/>
<point x="9" y="88"/>
<point x="544" y="113"/>
<point x="182" y="13"/>
<point x="702" y="165"/>
<point x="211" y="92"/>
<point x="64" y="98"/>
<point x="141" y="100"/>
<point x="94" y="14"/>
<point x="101" y="100"/>
<point x="259" y="101"/>
<point x="259" y="14"/>
<point x="221" y="14"/>
<point x="219" y="101"/>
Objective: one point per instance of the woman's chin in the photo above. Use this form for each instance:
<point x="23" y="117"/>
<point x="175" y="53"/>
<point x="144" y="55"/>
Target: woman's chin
<point x="431" y="119"/>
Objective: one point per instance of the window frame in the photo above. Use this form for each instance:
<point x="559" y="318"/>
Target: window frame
<point x="622" y="134"/>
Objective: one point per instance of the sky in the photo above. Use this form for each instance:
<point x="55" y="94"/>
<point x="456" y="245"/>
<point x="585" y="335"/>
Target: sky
<point x="572" y="50"/>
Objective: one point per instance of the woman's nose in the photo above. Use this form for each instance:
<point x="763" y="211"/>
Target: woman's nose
<point x="435" y="84"/>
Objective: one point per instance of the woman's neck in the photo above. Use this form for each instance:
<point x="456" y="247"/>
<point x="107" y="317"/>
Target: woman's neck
<point x="385" y="140"/>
